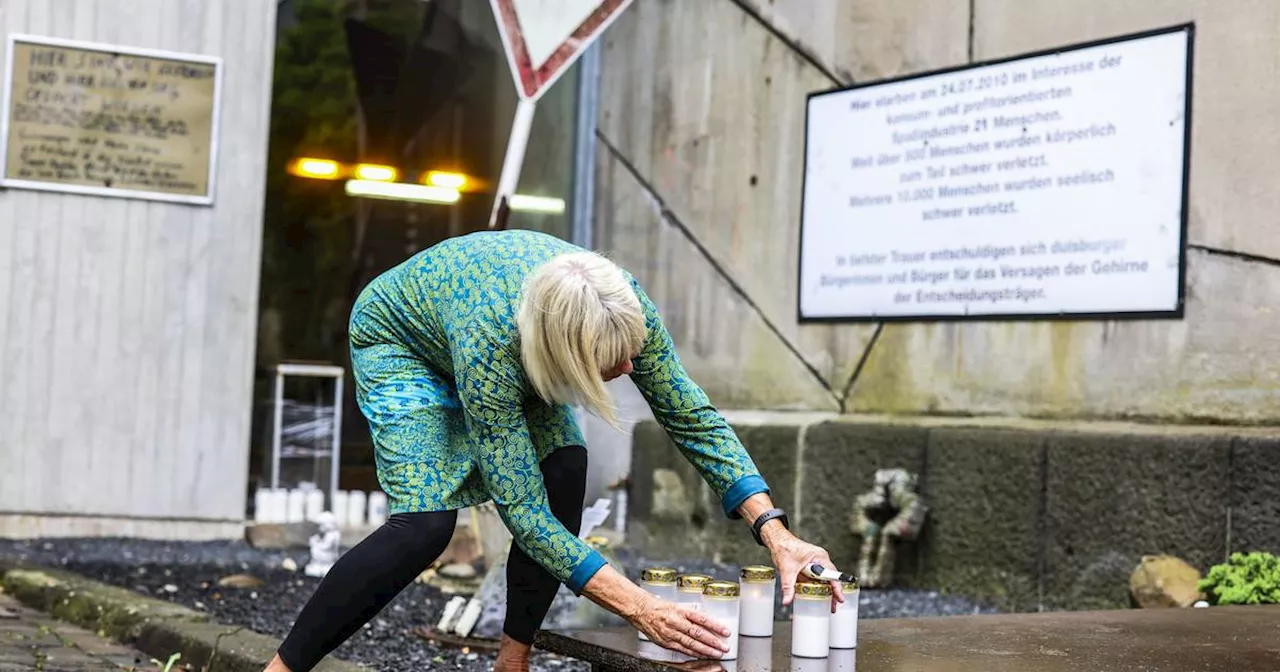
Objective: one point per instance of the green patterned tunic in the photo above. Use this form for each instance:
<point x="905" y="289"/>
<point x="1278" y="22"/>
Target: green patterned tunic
<point x="436" y="358"/>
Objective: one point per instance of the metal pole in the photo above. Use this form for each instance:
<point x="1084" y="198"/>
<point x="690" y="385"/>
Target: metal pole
<point x="275" y="435"/>
<point x="335" y="457"/>
<point x="584" y="147"/>
<point x="517" y="143"/>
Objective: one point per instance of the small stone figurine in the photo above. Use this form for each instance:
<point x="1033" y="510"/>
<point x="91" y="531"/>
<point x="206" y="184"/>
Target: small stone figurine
<point x="325" y="546"/>
<point x="889" y="512"/>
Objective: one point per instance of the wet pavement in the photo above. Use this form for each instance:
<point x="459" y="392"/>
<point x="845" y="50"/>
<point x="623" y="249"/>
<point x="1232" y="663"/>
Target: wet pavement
<point x="32" y="641"/>
<point x="1218" y="639"/>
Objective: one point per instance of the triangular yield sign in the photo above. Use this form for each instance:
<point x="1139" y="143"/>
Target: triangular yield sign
<point x="543" y="38"/>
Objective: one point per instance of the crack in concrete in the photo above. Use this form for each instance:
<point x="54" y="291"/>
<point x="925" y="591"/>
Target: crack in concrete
<point x="1235" y="254"/>
<point x="857" y="370"/>
<point x="973" y="8"/>
<point x="217" y="645"/>
<point x="670" y="217"/>
<point x="792" y="43"/>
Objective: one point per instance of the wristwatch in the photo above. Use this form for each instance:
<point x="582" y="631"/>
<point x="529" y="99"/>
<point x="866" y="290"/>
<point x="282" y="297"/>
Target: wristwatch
<point x="771" y="514"/>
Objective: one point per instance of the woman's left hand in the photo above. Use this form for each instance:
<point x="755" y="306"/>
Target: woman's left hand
<point x="790" y="555"/>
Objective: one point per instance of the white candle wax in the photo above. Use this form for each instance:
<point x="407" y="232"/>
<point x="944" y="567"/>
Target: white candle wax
<point x="810" y="636"/>
<point x="339" y="507"/>
<point x="356" y="500"/>
<point x="725" y="612"/>
<point x="757" y="608"/>
<point x="811" y="620"/>
<point x="844" y="623"/>
<point x="377" y="508"/>
<point x="661" y="583"/>
<point x="297" y="506"/>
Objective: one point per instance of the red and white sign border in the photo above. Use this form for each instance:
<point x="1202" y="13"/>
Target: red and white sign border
<point x="533" y="79"/>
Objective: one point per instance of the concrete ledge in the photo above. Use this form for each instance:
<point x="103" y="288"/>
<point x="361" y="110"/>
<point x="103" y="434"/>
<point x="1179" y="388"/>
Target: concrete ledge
<point x="1025" y="514"/>
<point x="155" y="627"/>
<point x="44" y="526"/>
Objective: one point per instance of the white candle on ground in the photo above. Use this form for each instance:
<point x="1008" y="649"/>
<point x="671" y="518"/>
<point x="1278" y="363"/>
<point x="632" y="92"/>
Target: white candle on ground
<point x="757" y="601"/>
<point x="844" y="623"/>
<point x="297" y="511"/>
<point x="811" y="620"/>
<point x="660" y="582"/>
<point x="720" y="600"/>
<point x="377" y="508"/>
<point x="355" y="508"/>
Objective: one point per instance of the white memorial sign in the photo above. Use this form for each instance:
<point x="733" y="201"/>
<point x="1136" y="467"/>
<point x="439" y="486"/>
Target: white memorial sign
<point x="1045" y="185"/>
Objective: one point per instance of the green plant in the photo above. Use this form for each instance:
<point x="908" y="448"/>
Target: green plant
<point x="1246" y="578"/>
<point x="167" y="667"/>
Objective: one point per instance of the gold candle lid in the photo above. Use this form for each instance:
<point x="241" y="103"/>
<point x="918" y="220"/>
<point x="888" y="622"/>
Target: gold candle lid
<point x="721" y="589"/>
<point x="758" y="573"/>
<point x="695" y="581"/>
<point x="597" y="542"/>
<point x="659" y="575"/>
<point x="849" y="585"/>
<point x="812" y="589"/>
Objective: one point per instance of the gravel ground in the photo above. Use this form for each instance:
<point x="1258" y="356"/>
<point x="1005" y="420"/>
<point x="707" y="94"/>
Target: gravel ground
<point x="187" y="573"/>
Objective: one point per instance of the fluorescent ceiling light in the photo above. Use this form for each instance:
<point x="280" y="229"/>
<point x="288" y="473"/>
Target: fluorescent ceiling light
<point x="545" y="204"/>
<point x="373" y="171"/>
<point x="401" y="191"/>
<point x="438" y="178"/>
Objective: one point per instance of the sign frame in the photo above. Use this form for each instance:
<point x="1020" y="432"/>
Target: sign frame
<point x="533" y="79"/>
<point x="1178" y="312"/>
<point x="6" y="93"/>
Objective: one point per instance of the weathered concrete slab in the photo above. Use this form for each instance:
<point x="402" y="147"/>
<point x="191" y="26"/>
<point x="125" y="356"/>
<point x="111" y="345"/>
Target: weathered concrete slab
<point x="1194" y="370"/>
<point x="984" y="534"/>
<point x="860" y="40"/>
<point x="1255" y="494"/>
<point x="1221" y="639"/>
<point x="1233" y="195"/>
<point x="674" y="513"/>
<point x="839" y="461"/>
<point x="724" y="344"/>
<point x="155" y="627"/>
<point x="715" y="127"/>
<point x="1110" y="499"/>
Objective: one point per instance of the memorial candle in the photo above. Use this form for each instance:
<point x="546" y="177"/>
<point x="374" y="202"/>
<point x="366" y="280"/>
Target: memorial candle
<point x="720" y="600"/>
<point x="757" y="601"/>
<point x="690" y="589"/>
<point x="811" y="620"/>
<point x="844" y="623"/>
<point x="660" y="582"/>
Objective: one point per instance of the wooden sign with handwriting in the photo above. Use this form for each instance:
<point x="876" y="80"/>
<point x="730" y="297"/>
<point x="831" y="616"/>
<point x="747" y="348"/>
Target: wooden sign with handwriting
<point x="110" y="121"/>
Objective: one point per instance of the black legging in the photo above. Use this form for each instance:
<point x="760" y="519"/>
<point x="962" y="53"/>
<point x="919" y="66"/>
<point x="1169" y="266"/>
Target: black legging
<point x="372" y="573"/>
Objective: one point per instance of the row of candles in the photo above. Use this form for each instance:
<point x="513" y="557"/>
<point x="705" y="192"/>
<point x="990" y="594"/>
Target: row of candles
<point x="746" y="608"/>
<point x="350" y="508"/>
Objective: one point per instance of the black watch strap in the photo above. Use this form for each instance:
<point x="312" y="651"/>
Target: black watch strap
<point x="771" y="514"/>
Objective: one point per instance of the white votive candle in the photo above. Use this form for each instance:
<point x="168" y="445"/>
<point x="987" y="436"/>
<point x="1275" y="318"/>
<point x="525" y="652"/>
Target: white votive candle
<point x="811" y="620"/>
<point x="689" y="589"/>
<point x="660" y="582"/>
<point x="844" y="623"/>
<point x="720" y="601"/>
<point x="757" y="601"/>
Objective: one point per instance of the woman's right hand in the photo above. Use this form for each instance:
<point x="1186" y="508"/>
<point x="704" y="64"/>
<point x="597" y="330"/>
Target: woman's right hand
<point x="680" y="628"/>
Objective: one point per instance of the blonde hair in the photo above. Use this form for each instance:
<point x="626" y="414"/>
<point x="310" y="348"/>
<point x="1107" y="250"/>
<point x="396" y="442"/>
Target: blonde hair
<point x="578" y="318"/>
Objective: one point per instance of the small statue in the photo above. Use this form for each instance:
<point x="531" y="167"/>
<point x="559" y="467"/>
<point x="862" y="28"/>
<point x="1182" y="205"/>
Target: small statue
<point x="889" y="512"/>
<point x="325" y="546"/>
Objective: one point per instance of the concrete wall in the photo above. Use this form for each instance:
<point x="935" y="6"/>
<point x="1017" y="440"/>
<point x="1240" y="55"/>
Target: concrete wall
<point x="1029" y="515"/>
<point x="698" y="192"/>
<point x="127" y="327"/>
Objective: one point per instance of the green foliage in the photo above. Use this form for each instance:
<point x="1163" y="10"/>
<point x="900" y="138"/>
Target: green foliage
<point x="1252" y="578"/>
